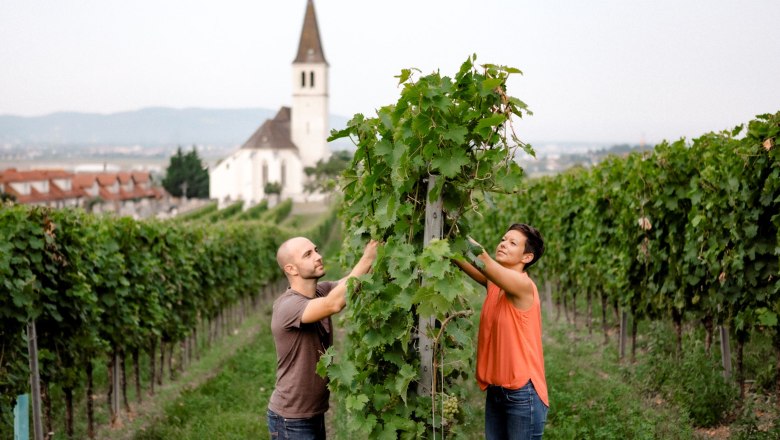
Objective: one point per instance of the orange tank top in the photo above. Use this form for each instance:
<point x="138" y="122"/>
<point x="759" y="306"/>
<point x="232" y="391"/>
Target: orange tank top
<point x="509" y="347"/>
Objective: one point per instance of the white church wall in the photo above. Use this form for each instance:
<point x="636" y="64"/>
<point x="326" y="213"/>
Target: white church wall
<point x="226" y="180"/>
<point x="240" y="176"/>
<point x="287" y="160"/>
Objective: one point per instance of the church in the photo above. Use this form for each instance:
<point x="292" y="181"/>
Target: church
<point x="294" y="139"/>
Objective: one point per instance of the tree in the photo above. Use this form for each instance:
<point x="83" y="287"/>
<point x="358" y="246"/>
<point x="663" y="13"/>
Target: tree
<point x="186" y="176"/>
<point x="273" y="188"/>
<point x="323" y="174"/>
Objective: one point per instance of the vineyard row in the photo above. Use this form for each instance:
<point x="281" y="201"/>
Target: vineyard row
<point x="102" y="288"/>
<point x="688" y="232"/>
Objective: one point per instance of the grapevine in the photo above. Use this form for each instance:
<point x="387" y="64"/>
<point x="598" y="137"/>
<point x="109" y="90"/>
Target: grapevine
<point x="689" y="232"/>
<point x="97" y="285"/>
<point x="459" y="129"/>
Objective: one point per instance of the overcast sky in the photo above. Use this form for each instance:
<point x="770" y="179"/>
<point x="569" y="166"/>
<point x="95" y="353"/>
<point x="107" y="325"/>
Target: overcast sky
<point x="594" y="71"/>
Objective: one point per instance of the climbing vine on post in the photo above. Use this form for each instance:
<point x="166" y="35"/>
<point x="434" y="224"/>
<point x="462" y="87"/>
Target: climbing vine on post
<point x="456" y="128"/>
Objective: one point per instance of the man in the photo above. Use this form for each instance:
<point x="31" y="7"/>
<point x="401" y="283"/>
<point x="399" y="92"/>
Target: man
<point x="302" y="330"/>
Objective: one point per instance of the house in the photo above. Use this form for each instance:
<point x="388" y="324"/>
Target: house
<point x="41" y="187"/>
<point x="126" y="193"/>
<point x="296" y="138"/>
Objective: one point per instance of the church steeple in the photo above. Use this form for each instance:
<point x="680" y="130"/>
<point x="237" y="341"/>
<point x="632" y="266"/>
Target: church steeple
<point x="310" y="48"/>
<point x="309" y="119"/>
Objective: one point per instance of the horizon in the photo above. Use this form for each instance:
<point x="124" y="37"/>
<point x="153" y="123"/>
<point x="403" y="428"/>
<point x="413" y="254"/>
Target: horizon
<point x="602" y="70"/>
<point x="604" y="143"/>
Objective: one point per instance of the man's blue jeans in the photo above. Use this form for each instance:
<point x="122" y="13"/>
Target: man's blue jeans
<point x="514" y="414"/>
<point x="296" y="429"/>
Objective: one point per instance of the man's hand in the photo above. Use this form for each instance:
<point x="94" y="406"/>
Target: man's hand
<point x="335" y="301"/>
<point x="363" y="266"/>
<point x="369" y="253"/>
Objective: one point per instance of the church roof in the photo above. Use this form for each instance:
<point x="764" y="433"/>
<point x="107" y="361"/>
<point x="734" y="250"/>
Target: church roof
<point x="274" y="134"/>
<point x="310" y="47"/>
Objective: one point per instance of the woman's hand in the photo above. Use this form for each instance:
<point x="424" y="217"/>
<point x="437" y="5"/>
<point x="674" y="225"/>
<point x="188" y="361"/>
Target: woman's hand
<point x="475" y="250"/>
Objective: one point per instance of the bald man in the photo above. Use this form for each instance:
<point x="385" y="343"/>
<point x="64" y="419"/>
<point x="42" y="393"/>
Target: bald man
<point x="301" y="326"/>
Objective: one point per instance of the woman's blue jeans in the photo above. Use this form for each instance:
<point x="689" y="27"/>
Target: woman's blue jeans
<point x="296" y="429"/>
<point x="514" y="414"/>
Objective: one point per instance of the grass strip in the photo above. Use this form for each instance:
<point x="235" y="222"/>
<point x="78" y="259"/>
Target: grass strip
<point x="154" y="411"/>
<point x="591" y="396"/>
<point x="229" y="405"/>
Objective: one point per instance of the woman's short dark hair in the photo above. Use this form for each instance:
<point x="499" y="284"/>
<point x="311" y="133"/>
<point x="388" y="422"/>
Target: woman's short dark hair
<point x="534" y="243"/>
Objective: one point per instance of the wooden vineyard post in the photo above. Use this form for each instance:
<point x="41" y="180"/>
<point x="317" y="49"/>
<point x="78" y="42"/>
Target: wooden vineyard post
<point x="623" y="333"/>
<point x="725" y="351"/>
<point x="115" y="383"/>
<point x="548" y="299"/>
<point x="434" y="226"/>
<point x="35" y="380"/>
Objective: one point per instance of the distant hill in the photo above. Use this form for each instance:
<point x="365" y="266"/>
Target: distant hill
<point x="155" y="126"/>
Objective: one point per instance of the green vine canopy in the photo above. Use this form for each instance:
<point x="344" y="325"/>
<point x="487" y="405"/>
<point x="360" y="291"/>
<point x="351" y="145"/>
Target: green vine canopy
<point x="459" y="129"/>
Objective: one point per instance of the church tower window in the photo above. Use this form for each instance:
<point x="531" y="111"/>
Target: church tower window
<point x="284" y="174"/>
<point x="265" y="174"/>
<point x="311" y="79"/>
<point x="303" y="79"/>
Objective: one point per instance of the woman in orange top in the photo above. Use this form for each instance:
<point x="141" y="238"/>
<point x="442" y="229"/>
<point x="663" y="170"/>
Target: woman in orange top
<point x="510" y="361"/>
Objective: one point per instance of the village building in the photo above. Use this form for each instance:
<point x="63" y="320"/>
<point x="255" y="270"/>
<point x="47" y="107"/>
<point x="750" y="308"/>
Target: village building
<point x="40" y="187"/>
<point x="296" y="138"/>
<point x="124" y="193"/>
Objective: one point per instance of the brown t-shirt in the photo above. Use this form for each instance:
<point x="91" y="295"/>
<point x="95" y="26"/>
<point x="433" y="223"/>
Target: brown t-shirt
<point x="300" y="392"/>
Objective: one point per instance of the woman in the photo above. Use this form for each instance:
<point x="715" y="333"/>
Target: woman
<point x="510" y="361"/>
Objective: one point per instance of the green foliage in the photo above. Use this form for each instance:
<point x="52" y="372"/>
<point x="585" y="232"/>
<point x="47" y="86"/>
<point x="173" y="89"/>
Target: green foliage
<point x="694" y="383"/>
<point x="186" y="175"/>
<point x="232" y="404"/>
<point x="687" y="231"/>
<point x="275" y="215"/>
<point x="273" y="188"/>
<point x="323" y="175"/>
<point x="226" y="213"/>
<point x="98" y="285"/>
<point x="459" y="130"/>
<point x="255" y="212"/>
<point x="591" y="398"/>
<point x="198" y="213"/>
<point x="749" y="426"/>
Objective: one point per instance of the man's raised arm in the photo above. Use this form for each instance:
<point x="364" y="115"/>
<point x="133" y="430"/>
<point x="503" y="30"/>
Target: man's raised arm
<point x="320" y="308"/>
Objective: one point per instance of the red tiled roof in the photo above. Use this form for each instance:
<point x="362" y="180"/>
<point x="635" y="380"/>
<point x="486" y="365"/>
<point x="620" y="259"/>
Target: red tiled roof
<point x="12" y="175"/>
<point x="109" y="196"/>
<point x="124" y="177"/>
<point x="141" y="176"/>
<point x="10" y="190"/>
<point x="60" y="193"/>
<point x="79" y="183"/>
<point x="83" y="180"/>
<point x="55" y="193"/>
<point x="107" y="179"/>
<point x="104" y="179"/>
